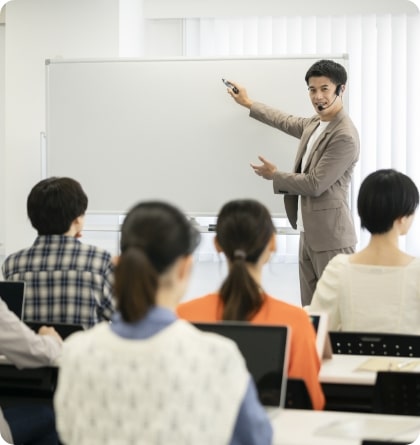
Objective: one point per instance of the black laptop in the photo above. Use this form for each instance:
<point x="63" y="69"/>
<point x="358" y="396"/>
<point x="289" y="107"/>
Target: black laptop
<point x="13" y="294"/>
<point x="266" y="352"/>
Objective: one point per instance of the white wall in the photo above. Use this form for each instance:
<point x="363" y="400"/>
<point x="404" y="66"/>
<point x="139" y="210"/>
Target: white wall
<point x="40" y="29"/>
<point x="37" y="30"/>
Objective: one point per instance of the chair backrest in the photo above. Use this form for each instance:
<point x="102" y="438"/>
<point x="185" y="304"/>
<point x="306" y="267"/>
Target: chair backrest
<point x="397" y="392"/>
<point x="13" y="294"/>
<point x="297" y="395"/>
<point x="370" y="343"/>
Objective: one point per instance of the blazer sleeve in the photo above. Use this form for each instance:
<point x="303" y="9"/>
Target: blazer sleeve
<point x="289" y="124"/>
<point x="339" y="155"/>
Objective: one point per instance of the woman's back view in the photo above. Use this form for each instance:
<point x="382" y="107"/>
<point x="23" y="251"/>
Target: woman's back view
<point x="150" y="378"/>
<point x="378" y="288"/>
<point x="246" y="235"/>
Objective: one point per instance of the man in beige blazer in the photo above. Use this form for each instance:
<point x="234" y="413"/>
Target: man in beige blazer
<point x="316" y="192"/>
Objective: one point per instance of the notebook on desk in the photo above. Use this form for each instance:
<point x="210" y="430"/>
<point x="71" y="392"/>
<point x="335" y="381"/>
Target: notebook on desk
<point x="266" y="352"/>
<point x="13" y="294"/>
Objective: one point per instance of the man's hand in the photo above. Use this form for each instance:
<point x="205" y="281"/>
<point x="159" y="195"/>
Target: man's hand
<point x="241" y="97"/>
<point x="48" y="330"/>
<point x="266" y="170"/>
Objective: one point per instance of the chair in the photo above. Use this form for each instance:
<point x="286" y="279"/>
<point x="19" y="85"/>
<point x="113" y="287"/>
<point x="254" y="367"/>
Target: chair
<point x="297" y="396"/>
<point x="366" y="343"/>
<point x="397" y="392"/>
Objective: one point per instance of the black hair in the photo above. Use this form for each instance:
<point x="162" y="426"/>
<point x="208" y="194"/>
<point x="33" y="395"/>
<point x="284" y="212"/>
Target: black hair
<point x="54" y="203"/>
<point x="153" y="235"/>
<point x="243" y="230"/>
<point x="384" y="196"/>
<point x="327" y="68"/>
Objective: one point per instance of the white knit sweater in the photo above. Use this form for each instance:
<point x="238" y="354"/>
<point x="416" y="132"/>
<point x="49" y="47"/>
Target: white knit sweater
<point x="181" y="386"/>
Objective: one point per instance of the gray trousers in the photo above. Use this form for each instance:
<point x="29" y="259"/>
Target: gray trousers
<point x="311" y="266"/>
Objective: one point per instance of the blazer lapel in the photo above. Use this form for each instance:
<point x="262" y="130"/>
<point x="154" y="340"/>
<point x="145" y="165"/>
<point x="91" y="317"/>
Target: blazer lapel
<point x="317" y="145"/>
<point x="322" y="136"/>
<point x="303" y="146"/>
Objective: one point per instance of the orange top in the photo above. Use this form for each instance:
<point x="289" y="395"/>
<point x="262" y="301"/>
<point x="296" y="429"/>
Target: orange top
<point x="304" y="362"/>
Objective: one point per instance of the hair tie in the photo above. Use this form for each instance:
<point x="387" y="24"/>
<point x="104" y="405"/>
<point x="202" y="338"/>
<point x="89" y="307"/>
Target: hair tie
<point x="239" y="254"/>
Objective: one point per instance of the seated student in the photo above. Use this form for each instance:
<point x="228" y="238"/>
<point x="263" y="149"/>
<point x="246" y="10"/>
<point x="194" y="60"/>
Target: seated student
<point x="246" y="235"/>
<point x="27" y="424"/>
<point x="66" y="281"/>
<point x="149" y="378"/>
<point x="378" y="288"/>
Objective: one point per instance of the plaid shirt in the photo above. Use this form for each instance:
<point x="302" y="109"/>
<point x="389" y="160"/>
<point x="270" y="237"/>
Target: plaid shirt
<point x="66" y="281"/>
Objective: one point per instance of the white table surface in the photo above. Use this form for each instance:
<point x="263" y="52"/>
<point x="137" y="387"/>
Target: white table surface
<point x="300" y="427"/>
<point x="342" y="368"/>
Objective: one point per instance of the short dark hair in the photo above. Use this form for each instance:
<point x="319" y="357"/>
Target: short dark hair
<point x="54" y="203"/>
<point x="384" y="196"/>
<point x="243" y="230"/>
<point x="153" y="235"/>
<point x="327" y="68"/>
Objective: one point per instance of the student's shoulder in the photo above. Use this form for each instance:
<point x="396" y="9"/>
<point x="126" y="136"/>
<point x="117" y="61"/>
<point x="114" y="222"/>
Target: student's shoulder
<point x="415" y="263"/>
<point x="285" y="312"/>
<point x="18" y="254"/>
<point x="94" y="251"/>
<point x="339" y="261"/>
<point x="199" y="309"/>
<point x="81" y="341"/>
<point x="16" y="261"/>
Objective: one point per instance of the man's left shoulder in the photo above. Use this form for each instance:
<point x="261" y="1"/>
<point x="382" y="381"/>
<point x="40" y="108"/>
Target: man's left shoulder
<point x="343" y="121"/>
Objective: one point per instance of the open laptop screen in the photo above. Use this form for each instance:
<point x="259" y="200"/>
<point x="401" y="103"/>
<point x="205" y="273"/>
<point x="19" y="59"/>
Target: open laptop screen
<point x="266" y="351"/>
<point x="13" y="294"/>
<point x="319" y="321"/>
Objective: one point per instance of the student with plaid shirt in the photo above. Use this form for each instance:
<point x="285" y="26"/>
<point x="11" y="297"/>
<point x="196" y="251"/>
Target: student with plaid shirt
<point x="66" y="281"/>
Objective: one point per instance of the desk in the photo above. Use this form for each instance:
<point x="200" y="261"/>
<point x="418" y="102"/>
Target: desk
<point x="349" y="389"/>
<point x="301" y="427"/>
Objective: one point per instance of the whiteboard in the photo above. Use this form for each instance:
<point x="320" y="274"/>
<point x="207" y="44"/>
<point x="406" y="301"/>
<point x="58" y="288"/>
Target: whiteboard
<point x="140" y="129"/>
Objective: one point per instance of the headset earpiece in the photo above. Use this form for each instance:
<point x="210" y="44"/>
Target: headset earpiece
<point x="338" y="89"/>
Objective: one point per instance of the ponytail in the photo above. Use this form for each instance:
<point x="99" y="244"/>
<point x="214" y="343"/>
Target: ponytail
<point x="243" y="230"/>
<point x="154" y="235"/>
<point x="135" y="285"/>
<point x="240" y="293"/>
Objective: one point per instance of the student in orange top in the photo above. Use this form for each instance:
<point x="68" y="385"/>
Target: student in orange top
<point x="246" y="235"/>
